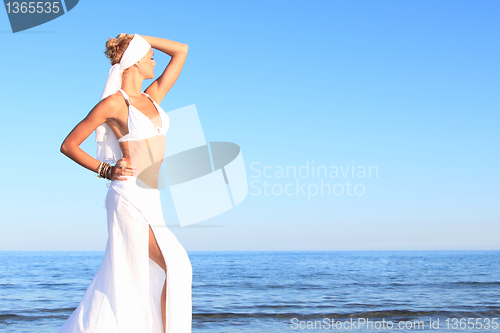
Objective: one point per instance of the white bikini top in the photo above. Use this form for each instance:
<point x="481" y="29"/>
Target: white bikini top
<point x="140" y="126"/>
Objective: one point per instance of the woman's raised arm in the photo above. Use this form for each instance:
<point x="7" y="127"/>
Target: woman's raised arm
<point x="178" y="51"/>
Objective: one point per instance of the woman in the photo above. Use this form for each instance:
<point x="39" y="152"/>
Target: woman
<point x="144" y="281"/>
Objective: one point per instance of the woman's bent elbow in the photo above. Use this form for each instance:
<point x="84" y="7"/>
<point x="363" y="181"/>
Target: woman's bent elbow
<point x="64" y="148"/>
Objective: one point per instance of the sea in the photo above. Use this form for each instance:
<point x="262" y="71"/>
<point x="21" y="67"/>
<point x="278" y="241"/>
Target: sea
<point x="344" y="291"/>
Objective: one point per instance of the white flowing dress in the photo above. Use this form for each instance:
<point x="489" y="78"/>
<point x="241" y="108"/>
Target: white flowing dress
<point x="125" y="294"/>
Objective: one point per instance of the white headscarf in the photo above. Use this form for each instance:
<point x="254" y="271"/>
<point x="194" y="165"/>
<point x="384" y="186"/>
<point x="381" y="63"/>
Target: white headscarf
<point x="108" y="149"/>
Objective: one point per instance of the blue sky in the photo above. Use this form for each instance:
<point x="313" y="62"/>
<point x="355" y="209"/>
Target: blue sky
<point x="410" y="88"/>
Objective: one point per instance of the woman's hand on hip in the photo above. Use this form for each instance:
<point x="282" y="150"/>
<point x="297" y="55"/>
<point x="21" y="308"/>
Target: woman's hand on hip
<point x="121" y="169"/>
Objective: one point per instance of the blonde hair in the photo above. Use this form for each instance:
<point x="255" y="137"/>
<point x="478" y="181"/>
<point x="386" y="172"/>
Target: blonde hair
<point x="116" y="46"/>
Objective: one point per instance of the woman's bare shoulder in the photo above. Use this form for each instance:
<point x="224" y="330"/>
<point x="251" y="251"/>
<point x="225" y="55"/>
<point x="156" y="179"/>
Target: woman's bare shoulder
<point x="114" y="100"/>
<point x="111" y="105"/>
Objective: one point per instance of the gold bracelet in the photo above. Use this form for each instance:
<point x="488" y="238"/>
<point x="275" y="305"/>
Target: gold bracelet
<point x="104" y="169"/>
<point x="99" y="171"/>
<point x="108" y="173"/>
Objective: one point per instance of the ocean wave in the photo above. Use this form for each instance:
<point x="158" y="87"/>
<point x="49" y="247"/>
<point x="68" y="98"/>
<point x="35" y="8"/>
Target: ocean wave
<point x="396" y="314"/>
<point x="389" y="314"/>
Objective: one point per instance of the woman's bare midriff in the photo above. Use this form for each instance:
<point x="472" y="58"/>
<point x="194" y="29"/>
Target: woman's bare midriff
<point x="146" y="155"/>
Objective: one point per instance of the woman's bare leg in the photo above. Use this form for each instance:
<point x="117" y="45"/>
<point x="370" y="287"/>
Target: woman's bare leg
<point x="156" y="255"/>
<point x="163" y="312"/>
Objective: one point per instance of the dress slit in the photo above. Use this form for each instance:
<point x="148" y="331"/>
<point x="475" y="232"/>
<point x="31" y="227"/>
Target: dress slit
<point x="157" y="278"/>
<point x="178" y="273"/>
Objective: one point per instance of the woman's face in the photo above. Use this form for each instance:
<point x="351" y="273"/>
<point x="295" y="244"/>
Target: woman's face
<point x="147" y="64"/>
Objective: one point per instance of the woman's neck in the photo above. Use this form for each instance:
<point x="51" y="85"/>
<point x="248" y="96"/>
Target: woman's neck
<point x="132" y="84"/>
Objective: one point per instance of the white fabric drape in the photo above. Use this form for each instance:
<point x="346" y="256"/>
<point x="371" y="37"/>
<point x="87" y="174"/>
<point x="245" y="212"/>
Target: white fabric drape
<point x="124" y="295"/>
